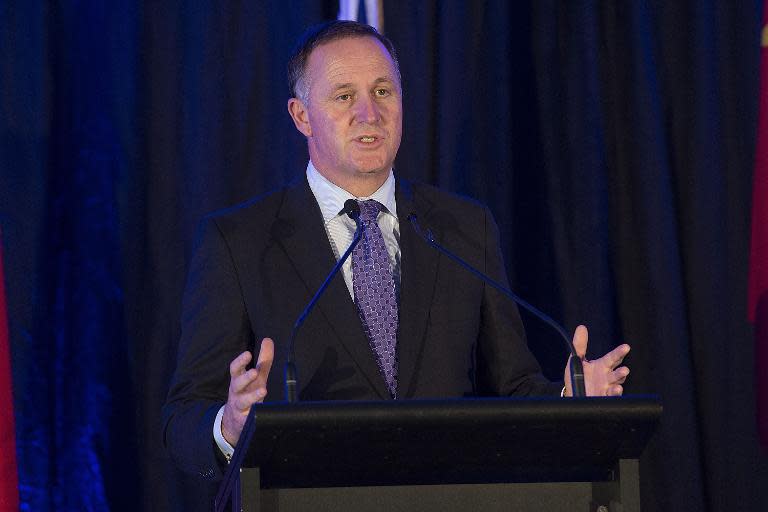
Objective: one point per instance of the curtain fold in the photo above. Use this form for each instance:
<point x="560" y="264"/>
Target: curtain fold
<point x="613" y="141"/>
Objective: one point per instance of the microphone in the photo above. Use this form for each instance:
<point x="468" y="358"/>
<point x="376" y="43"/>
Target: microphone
<point x="351" y="208"/>
<point x="231" y="477"/>
<point x="577" y="369"/>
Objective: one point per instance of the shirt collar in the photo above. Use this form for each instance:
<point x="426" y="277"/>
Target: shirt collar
<point x="331" y="197"/>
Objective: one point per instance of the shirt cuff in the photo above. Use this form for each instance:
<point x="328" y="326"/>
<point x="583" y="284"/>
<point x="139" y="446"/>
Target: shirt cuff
<point x="225" y="448"/>
<point x="562" y="395"/>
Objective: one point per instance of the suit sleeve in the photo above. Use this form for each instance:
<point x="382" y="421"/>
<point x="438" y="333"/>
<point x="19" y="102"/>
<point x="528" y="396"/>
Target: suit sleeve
<point x="214" y="330"/>
<point x="506" y="366"/>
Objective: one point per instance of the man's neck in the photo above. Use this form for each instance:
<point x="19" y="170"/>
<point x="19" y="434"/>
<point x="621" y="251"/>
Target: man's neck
<point x="364" y="186"/>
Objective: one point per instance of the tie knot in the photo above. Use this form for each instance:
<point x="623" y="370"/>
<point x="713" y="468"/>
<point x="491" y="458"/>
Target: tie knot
<point x="369" y="210"/>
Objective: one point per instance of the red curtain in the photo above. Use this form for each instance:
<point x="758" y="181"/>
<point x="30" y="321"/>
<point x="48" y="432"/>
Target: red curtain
<point x="9" y="490"/>
<point x="758" y="263"/>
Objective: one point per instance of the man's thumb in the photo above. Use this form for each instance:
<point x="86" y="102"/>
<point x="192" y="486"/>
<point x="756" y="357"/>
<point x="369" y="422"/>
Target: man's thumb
<point x="580" y="339"/>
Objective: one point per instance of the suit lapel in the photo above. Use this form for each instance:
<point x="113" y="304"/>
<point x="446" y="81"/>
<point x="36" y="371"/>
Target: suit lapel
<point x="306" y="245"/>
<point x="418" y="270"/>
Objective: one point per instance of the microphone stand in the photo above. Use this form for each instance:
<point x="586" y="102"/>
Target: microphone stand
<point x="290" y="366"/>
<point x="230" y="486"/>
<point x="575" y="365"/>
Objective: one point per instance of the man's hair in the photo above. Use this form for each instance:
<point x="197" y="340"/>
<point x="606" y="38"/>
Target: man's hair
<point x="326" y="33"/>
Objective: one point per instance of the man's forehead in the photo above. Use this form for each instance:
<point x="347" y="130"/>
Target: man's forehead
<point x="364" y="51"/>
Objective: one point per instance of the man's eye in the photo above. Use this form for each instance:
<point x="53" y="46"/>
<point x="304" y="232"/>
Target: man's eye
<point x="344" y="97"/>
<point x="382" y="93"/>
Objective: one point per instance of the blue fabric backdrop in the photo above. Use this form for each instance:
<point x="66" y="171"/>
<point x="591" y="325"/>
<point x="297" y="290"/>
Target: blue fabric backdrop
<point x="612" y="140"/>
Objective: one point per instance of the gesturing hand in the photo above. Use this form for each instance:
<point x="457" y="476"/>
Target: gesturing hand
<point x="601" y="376"/>
<point x="245" y="389"/>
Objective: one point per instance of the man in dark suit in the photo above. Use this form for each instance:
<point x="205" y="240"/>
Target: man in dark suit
<point x="400" y="322"/>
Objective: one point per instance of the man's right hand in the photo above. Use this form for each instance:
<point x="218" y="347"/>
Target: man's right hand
<point x="245" y="389"/>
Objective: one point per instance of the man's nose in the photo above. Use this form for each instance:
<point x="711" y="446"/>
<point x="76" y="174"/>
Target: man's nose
<point x="367" y="111"/>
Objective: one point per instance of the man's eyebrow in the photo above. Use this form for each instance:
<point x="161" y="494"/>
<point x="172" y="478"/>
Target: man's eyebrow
<point x="347" y="85"/>
<point x="350" y="85"/>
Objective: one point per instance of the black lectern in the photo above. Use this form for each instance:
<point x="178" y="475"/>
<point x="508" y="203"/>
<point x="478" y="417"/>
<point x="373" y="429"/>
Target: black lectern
<point x="516" y="454"/>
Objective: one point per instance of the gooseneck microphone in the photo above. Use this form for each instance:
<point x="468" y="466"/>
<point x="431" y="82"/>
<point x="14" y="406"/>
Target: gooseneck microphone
<point x="231" y="477"/>
<point x="352" y="209"/>
<point x="577" y="369"/>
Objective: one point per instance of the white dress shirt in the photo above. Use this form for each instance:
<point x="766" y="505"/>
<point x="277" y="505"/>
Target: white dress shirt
<point x="340" y="230"/>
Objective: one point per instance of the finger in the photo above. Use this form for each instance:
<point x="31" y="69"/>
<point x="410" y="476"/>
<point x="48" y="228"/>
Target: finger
<point x="244" y="401"/>
<point x="580" y="339"/>
<point x="619" y="375"/>
<point x="256" y="378"/>
<point x="614" y="358"/>
<point x="264" y="362"/>
<point x="615" y="390"/>
<point x="242" y="383"/>
<point x="238" y="364"/>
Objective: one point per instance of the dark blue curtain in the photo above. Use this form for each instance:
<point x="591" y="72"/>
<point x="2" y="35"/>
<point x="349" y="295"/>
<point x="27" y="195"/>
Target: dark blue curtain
<point x="612" y="140"/>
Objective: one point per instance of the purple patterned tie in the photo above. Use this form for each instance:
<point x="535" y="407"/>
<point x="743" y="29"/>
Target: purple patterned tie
<point x="374" y="289"/>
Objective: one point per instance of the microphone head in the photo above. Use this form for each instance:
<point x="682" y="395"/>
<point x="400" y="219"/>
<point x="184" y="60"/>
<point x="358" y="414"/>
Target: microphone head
<point x="352" y="208"/>
<point x="415" y="223"/>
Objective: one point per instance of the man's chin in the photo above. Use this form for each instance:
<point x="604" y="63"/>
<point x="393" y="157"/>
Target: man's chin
<point x="372" y="172"/>
<point x="372" y="168"/>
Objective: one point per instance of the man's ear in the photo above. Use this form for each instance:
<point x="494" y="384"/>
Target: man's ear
<point x="300" y="116"/>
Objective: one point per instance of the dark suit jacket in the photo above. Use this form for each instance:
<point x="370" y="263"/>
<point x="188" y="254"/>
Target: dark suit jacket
<point x="255" y="268"/>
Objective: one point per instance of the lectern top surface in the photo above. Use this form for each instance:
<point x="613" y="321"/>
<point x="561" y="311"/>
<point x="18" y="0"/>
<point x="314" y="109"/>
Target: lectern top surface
<point x="327" y="444"/>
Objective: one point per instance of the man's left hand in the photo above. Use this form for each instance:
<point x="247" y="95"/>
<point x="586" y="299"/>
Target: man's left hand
<point x="602" y="377"/>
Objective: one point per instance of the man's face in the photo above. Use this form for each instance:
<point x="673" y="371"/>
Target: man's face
<point x="353" y="116"/>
